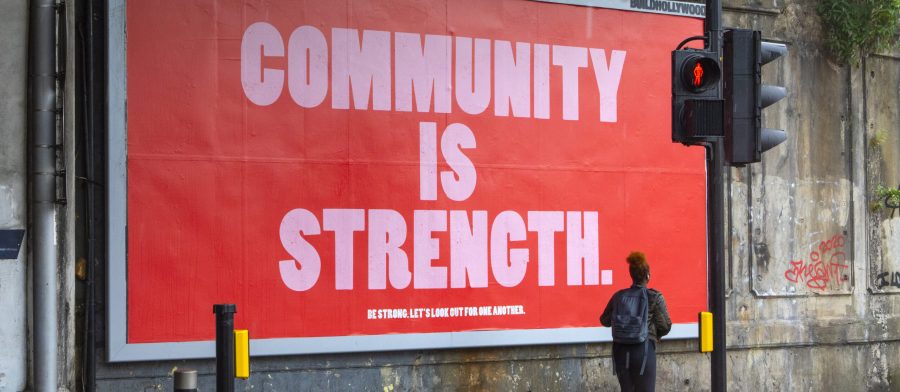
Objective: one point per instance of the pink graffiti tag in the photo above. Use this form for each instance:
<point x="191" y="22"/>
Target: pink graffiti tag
<point x="825" y="267"/>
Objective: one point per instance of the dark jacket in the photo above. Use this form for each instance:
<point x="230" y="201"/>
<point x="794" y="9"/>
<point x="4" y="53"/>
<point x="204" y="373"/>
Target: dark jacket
<point x="659" y="323"/>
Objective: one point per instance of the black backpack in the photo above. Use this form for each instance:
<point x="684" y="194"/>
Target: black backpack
<point x="629" y="317"/>
<point x="630" y="320"/>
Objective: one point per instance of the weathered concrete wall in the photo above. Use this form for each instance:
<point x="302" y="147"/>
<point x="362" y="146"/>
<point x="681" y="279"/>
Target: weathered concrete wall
<point x="15" y="288"/>
<point x="883" y="169"/>
<point x="806" y="307"/>
<point x="799" y="367"/>
<point x="13" y="205"/>
<point x="801" y="238"/>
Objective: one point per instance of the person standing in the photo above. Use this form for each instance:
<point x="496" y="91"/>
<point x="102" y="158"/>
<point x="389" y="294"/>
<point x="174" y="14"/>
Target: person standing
<point x="638" y="317"/>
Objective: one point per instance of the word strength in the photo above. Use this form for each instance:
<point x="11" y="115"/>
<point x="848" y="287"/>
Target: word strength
<point x="457" y="311"/>
<point x="405" y="72"/>
<point x="475" y="248"/>
<point x="476" y="242"/>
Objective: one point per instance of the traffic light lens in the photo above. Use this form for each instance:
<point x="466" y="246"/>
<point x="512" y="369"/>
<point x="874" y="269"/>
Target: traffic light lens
<point x="700" y="73"/>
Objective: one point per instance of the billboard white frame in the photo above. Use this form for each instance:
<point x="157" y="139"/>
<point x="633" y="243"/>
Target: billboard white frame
<point x="118" y="348"/>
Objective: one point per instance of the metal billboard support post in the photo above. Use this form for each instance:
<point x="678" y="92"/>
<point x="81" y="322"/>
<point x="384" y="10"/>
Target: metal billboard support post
<point x="715" y="224"/>
<point x="224" y="346"/>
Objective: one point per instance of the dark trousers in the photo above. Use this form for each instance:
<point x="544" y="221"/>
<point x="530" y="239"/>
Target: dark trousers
<point x="627" y="359"/>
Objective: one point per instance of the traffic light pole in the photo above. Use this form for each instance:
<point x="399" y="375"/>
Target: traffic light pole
<point x="712" y="25"/>
<point x="715" y="224"/>
<point x="715" y="219"/>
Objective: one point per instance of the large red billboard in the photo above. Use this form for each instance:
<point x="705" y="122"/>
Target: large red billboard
<point x="367" y="168"/>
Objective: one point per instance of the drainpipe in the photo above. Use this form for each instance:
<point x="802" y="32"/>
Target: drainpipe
<point x="42" y="86"/>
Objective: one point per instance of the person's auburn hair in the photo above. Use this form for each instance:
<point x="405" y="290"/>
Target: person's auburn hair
<point x="638" y="267"/>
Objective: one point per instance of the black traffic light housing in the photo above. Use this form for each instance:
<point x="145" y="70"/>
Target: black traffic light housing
<point x="697" y="110"/>
<point x="745" y="96"/>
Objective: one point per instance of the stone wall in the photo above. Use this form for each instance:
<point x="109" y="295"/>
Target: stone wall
<point x="13" y="188"/>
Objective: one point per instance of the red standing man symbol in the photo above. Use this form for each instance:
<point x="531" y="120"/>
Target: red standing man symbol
<point x="698" y="74"/>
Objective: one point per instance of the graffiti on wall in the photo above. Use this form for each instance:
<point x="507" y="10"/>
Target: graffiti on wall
<point x="825" y="268"/>
<point x="886" y="279"/>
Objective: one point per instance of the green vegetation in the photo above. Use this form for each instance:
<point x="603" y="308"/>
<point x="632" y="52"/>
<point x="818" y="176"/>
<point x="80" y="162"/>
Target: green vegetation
<point x="885" y="197"/>
<point x="878" y="139"/>
<point x="857" y="28"/>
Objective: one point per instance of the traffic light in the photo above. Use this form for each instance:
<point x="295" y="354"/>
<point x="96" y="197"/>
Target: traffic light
<point x="746" y="96"/>
<point x="696" y="106"/>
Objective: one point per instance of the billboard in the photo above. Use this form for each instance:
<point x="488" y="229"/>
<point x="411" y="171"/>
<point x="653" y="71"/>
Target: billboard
<point x="403" y="174"/>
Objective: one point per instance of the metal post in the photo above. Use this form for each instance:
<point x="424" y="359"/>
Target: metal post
<point x="713" y="26"/>
<point x="42" y="83"/>
<point x="185" y="380"/>
<point x="715" y="224"/>
<point x="224" y="346"/>
<point x="715" y="194"/>
<point x="91" y="135"/>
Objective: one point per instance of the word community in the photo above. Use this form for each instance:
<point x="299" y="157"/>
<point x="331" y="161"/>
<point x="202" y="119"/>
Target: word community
<point x="396" y="71"/>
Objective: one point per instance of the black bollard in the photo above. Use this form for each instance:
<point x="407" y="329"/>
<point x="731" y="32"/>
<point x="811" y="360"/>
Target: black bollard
<point x="185" y="380"/>
<point x="224" y="346"/>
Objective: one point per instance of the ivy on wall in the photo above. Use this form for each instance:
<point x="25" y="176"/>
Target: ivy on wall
<point x="856" y="28"/>
<point x="886" y="198"/>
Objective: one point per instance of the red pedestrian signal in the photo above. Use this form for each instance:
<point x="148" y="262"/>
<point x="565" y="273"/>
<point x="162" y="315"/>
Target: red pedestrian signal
<point x="699" y="72"/>
<point x="698" y="75"/>
<point x="696" y="106"/>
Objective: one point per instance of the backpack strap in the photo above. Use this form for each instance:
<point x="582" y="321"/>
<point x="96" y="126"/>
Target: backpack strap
<point x="644" y="361"/>
<point x="646" y="341"/>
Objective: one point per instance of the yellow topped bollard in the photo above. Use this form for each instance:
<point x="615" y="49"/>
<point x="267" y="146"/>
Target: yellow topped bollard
<point x="706" y="332"/>
<point x="241" y="354"/>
